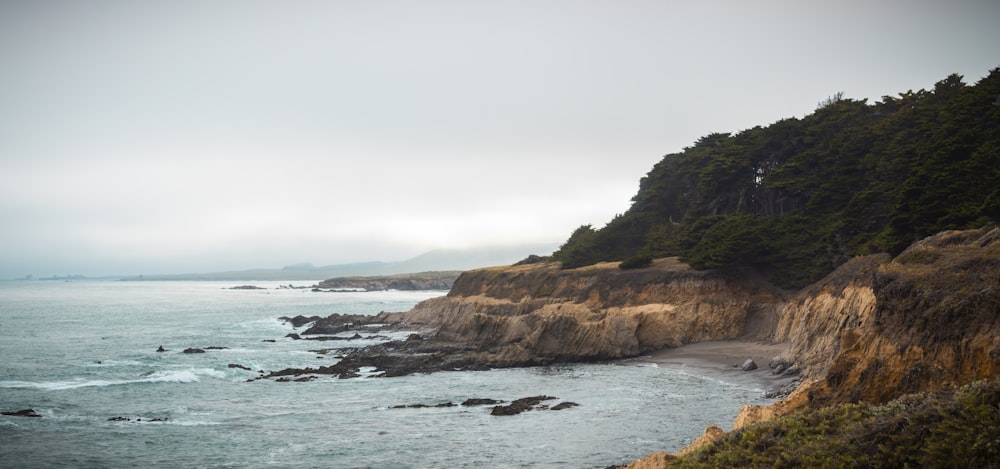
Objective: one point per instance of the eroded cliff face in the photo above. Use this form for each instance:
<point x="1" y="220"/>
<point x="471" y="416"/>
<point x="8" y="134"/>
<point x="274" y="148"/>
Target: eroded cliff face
<point x="874" y="329"/>
<point x="877" y="329"/>
<point x="936" y="322"/>
<point x="597" y="312"/>
<point x="880" y="328"/>
<point x="811" y="322"/>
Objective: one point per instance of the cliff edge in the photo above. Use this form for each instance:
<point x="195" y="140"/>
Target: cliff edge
<point x="540" y="313"/>
<point x="881" y="328"/>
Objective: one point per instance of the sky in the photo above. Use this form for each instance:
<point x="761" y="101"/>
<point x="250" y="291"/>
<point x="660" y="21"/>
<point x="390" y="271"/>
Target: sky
<point x="195" y="136"/>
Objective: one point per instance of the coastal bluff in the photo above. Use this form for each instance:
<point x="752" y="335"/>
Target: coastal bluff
<point x="880" y="328"/>
<point x="541" y="313"/>
<point x="875" y="329"/>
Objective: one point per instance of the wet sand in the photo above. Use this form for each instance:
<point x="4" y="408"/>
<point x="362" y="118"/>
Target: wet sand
<point x="723" y="359"/>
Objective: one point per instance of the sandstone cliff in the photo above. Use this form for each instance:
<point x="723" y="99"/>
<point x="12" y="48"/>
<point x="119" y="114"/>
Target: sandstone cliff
<point x="540" y="312"/>
<point x="879" y="328"/>
<point x="927" y="320"/>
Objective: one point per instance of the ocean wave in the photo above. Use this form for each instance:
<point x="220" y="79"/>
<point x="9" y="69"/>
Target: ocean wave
<point x="181" y="376"/>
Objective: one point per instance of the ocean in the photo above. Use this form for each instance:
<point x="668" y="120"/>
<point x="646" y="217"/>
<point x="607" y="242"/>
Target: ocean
<point x="83" y="355"/>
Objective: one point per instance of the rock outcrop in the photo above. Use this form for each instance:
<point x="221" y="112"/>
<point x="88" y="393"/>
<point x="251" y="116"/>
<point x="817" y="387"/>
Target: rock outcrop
<point x="539" y="312"/>
<point x="878" y="328"/>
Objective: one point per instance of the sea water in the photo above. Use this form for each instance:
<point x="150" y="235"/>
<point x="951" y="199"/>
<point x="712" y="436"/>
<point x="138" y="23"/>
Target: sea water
<point x="83" y="355"/>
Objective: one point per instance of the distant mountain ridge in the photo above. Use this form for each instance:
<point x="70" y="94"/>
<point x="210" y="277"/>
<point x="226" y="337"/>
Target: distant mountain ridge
<point x="436" y="260"/>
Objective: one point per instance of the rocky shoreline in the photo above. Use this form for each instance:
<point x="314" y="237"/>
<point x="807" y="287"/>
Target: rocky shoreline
<point x="874" y="329"/>
<point x="415" y="354"/>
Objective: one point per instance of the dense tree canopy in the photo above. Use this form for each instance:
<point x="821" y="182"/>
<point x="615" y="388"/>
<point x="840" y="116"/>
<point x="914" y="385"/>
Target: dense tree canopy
<point x="797" y="198"/>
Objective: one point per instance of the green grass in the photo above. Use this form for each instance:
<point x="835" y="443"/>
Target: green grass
<point x="959" y="428"/>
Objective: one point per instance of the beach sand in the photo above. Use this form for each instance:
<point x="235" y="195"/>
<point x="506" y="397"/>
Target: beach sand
<point x="723" y="359"/>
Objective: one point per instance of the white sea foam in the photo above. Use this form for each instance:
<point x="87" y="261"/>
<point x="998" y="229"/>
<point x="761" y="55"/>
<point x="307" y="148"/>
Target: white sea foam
<point x="182" y="376"/>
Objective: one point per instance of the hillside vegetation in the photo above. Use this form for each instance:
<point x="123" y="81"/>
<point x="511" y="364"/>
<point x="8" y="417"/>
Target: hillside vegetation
<point x="959" y="428"/>
<point x="797" y="198"/>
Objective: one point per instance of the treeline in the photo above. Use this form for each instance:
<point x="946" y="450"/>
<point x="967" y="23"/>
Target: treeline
<point x="793" y="200"/>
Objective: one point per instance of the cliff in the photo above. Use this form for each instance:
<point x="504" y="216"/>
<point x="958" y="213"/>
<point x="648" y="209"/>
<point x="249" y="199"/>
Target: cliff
<point x="926" y="320"/>
<point x="540" y="313"/>
<point x="875" y="329"/>
<point x="878" y="329"/>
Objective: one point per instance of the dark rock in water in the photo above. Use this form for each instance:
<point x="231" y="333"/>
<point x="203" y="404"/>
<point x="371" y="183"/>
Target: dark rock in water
<point x="521" y="405"/>
<point x="161" y="349"/>
<point x="423" y="406"/>
<point x="247" y="287"/>
<point x="479" y="401"/>
<point x="234" y="365"/>
<point x="564" y="405"/>
<point x="400" y="358"/>
<point x="356" y="336"/>
<point x="125" y="419"/>
<point x="293" y="336"/>
<point x="199" y="350"/>
<point x="337" y="323"/>
<point x="300" y="320"/>
<point x="301" y="379"/>
<point x="22" y="413"/>
<point x="414" y="337"/>
<point x="268" y="340"/>
<point x="749" y="365"/>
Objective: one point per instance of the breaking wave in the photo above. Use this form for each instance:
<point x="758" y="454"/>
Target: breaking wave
<point x="180" y="376"/>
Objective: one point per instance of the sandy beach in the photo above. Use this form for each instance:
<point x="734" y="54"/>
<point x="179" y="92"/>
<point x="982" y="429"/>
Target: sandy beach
<point x="722" y="359"/>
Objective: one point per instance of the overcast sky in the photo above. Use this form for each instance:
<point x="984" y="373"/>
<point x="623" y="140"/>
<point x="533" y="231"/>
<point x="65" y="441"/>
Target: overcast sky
<point x="192" y="136"/>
